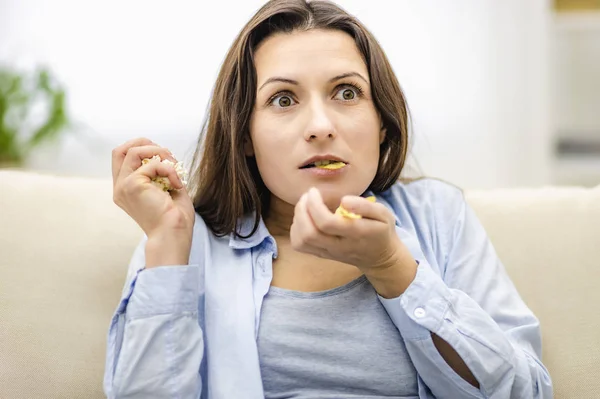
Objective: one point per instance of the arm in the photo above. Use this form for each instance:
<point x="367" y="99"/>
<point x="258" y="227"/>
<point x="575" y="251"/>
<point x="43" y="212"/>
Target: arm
<point x="155" y="344"/>
<point x="471" y="325"/>
<point x="392" y="283"/>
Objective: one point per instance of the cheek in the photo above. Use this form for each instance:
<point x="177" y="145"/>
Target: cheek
<point x="362" y="135"/>
<point x="270" y="151"/>
<point x="266" y="142"/>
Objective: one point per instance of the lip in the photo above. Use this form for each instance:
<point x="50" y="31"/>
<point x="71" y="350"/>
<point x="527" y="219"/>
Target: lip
<point x="325" y="157"/>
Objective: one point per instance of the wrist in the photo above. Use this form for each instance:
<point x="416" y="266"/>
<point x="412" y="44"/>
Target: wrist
<point x="168" y="249"/>
<point x="392" y="280"/>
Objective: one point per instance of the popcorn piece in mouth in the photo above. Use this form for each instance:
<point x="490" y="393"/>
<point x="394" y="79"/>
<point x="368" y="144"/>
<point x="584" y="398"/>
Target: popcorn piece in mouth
<point x="163" y="182"/>
<point x="331" y="165"/>
<point x="351" y="215"/>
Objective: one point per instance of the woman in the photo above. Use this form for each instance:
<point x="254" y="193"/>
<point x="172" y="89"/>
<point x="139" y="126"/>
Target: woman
<point x="253" y="286"/>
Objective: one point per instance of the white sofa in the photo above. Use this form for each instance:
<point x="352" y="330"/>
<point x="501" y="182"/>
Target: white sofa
<point x="65" y="247"/>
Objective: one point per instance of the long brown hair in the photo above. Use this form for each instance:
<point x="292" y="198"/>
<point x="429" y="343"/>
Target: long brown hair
<point x="224" y="183"/>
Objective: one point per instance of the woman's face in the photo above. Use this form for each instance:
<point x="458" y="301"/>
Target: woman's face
<point x="313" y="103"/>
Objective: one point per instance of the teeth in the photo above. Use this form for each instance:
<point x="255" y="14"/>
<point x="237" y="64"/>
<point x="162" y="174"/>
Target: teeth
<point x="323" y="163"/>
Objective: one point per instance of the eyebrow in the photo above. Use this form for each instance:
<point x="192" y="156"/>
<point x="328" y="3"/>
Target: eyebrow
<point x="295" y="82"/>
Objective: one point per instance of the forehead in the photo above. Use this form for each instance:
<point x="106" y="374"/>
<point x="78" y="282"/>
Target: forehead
<point x="314" y="52"/>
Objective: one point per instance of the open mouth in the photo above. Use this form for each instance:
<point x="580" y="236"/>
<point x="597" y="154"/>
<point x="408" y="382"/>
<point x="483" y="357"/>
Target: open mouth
<point x="325" y="164"/>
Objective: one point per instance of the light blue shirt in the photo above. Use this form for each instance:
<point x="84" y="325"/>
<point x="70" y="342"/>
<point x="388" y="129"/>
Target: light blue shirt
<point x="190" y="331"/>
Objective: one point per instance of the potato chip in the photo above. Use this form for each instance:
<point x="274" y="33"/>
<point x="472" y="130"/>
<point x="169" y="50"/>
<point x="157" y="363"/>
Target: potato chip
<point x="351" y="215"/>
<point x="332" y="165"/>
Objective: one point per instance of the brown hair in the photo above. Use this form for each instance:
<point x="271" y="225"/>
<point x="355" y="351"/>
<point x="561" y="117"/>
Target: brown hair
<point x="224" y="183"/>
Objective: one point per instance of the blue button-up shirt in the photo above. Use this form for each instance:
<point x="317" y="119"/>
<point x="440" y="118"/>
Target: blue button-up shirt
<point x="190" y="331"/>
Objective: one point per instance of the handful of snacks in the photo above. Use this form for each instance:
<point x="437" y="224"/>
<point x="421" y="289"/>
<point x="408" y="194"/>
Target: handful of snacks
<point x="163" y="182"/>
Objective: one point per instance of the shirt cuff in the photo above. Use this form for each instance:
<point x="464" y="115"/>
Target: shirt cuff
<point x="420" y="310"/>
<point x="163" y="290"/>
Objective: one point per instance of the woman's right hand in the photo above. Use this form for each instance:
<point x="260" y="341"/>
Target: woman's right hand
<point x="165" y="217"/>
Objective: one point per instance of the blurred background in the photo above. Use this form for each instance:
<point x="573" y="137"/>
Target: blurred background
<point x="502" y="93"/>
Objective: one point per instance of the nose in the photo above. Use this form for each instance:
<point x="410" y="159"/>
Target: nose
<point x="319" y="126"/>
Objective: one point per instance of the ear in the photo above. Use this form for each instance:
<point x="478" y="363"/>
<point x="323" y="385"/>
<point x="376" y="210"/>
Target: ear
<point x="248" y="147"/>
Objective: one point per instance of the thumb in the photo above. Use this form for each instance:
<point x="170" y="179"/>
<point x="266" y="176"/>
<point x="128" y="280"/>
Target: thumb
<point x="365" y="207"/>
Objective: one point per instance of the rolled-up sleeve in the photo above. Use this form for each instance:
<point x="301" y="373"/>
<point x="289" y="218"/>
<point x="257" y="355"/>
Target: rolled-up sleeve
<point x="472" y="305"/>
<point x="155" y="343"/>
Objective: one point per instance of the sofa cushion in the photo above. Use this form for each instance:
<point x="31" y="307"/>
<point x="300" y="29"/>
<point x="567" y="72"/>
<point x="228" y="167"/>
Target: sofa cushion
<point x="549" y="241"/>
<point x="65" y="248"/>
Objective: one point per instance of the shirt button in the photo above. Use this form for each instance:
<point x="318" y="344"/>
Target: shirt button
<point x="419" y="313"/>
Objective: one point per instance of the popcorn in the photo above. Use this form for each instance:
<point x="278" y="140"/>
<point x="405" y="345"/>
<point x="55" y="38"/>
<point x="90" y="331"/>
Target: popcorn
<point x="351" y="215"/>
<point x="163" y="182"/>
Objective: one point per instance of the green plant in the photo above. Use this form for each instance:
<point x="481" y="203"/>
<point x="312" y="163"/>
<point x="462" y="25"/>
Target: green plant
<point x="32" y="112"/>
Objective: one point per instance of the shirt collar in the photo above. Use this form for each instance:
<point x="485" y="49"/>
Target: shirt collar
<point x="245" y="226"/>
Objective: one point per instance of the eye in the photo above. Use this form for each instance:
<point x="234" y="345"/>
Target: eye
<point x="281" y="101"/>
<point x="348" y="93"/>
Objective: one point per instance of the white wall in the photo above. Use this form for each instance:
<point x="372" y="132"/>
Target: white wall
<point x="476" y="76"/>
<point x="577" y="86"/>
<point x="475" y="73"/>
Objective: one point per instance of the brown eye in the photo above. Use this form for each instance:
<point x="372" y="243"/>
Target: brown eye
<point x="284" y="102"/>
<point x="349" y="93"/>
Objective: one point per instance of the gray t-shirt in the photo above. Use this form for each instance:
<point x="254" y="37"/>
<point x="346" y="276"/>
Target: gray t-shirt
<point x="337" y="344"/>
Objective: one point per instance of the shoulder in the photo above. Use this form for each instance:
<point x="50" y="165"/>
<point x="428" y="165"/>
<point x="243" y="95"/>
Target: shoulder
<point x="426" y="198"/>
<point x="204" y="240"/>
<point x="428" y="209"/>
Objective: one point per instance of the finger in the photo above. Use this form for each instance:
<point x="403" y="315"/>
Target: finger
<point x="300" y="221"/>
<point x="119" y="153"/>
<point x="323" y="219"/>
<point x="180" y="194"/>
<point x="135" y="156"/>
<point x="307" y="238"/>
<point x="158" y="169"/>
<point x="367" y="209"/>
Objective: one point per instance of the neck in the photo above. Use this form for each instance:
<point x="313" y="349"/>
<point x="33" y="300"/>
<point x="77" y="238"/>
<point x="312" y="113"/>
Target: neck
<point x="280" y="217"/>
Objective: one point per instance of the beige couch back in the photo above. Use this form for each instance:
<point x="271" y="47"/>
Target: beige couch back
<point x="64" y="249"/>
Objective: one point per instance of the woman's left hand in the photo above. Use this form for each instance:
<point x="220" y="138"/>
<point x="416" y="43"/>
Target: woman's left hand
<point x="369" y="243"/>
